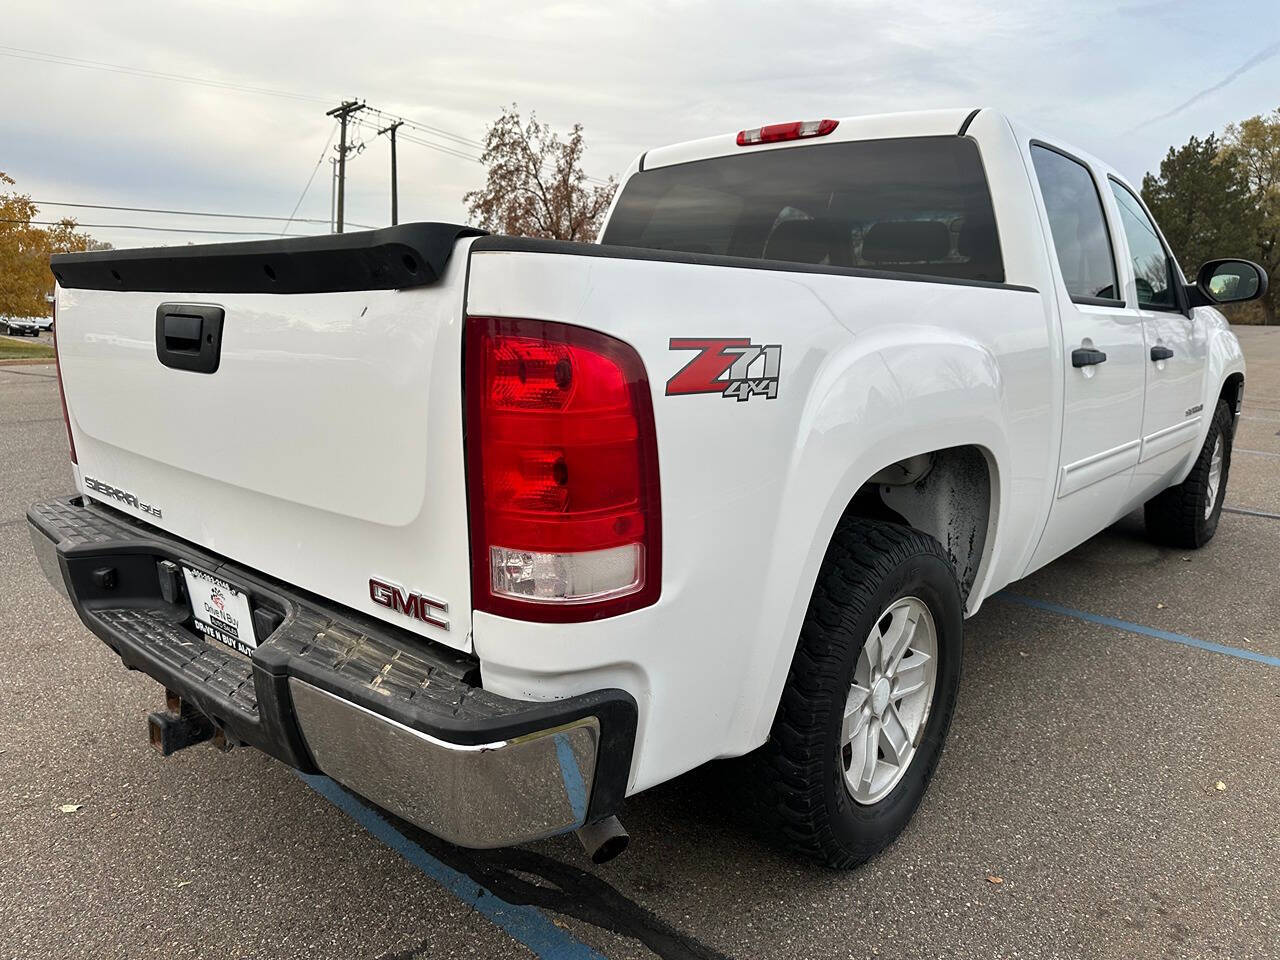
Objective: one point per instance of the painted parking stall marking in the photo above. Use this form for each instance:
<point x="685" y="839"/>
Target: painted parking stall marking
<point x="1138" y="628"/>
<point x="1246" y="511"/>
<point x="528" y="925"/>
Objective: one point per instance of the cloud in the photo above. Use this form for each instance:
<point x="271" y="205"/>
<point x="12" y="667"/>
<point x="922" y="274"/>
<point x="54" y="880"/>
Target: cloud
<point x="1260" y="57"/>
<point x="636" y="73"/>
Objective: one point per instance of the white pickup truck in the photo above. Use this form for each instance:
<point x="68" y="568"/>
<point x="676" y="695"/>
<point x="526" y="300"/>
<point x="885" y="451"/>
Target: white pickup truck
<point x="497" y="532"/>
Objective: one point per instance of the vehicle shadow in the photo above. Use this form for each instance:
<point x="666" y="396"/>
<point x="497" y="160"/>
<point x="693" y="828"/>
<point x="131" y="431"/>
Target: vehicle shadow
<point x="698" y="831"/>
<point x="525" y="876"/>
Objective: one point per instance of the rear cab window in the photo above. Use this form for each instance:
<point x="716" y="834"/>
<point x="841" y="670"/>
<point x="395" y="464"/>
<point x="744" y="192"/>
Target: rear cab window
<point x="915" y="205"/>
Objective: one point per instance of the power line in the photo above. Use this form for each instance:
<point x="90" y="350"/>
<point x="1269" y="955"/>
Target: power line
<point x="426" y="128"/>
<point x="183" y="213"/>
<point x="39" y="56"/>
<point x="450" y="151"/>
<point x="325" y="150"/>
<point x="409" y="138"/>
<point x="138" y="226"/>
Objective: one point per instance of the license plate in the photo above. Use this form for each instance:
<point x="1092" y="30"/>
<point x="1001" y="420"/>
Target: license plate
<point x="221" y="611"/>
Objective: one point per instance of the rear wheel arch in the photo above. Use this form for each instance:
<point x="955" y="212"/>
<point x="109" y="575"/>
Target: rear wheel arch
<point x="952" y="494"/>
<point x="880" y="402"/>
<point x="857" y="495"/>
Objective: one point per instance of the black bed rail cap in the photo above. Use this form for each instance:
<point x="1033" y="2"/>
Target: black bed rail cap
<point x="408" y="255"/>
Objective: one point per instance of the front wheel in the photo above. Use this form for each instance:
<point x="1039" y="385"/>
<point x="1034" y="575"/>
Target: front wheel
<point x="1186" y="515"/>
<point x="870" y="694"/>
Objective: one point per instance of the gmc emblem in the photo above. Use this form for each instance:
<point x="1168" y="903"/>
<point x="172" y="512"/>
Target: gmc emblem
<point x="416" y="605"/>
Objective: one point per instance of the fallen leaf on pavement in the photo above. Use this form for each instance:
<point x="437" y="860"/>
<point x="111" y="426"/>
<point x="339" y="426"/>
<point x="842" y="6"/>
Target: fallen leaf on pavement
<point x="70" y="807"/>
<point x="1219" y="785"/>
<point x="992" y="878"/>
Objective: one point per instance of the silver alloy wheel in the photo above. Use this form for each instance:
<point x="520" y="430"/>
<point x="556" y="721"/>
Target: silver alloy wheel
<point x="888" y="704"/>
<point x="1215" y="477"/>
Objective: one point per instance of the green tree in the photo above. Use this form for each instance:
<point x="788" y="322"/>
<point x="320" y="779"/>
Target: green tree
<point x="1202" y="202"/>
<point x="1255" y="145"/>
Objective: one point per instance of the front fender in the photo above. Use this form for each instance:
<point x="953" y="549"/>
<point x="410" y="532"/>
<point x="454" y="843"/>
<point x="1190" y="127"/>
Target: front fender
<point x="1223" y="358"/>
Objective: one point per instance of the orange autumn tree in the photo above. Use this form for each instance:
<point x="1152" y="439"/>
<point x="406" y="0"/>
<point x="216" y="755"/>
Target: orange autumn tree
<point x="25" y="248"/>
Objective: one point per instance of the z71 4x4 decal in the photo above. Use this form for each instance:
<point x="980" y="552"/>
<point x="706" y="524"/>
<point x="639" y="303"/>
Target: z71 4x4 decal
<point x="733" y="367"/>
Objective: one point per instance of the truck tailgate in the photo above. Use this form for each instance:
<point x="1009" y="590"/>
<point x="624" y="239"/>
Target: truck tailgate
<point x="325" y="450"/>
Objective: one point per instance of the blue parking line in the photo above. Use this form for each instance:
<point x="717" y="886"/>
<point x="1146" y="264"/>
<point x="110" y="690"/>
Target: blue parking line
<point x="571" y="776"/>
<point x="1250" y="512"/>
<point x="1139" y="629"/>
<point x="526" y="924"/>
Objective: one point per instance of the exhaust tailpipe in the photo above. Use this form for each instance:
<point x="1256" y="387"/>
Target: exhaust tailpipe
<point x="604" y="839"/>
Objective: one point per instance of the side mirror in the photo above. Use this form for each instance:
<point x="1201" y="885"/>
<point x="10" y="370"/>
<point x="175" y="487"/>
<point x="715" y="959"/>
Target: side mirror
<point x="1228" y="281"/>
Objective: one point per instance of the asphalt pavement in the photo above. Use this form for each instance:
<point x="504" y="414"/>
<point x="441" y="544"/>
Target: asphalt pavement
<point x="1111" y="787"/>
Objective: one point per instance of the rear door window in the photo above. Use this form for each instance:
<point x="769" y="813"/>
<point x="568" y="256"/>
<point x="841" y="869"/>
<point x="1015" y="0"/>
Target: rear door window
<point x="917" y="205"/>
<point x="1078" y="226"/>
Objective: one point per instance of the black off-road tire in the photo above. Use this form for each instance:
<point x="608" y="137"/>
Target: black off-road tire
<point x="1176" y="517"/>
<point x="868" y="566"/>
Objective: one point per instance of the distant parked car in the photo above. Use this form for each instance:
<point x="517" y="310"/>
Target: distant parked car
<point x="44" y="323"/>
<point x="20" y="326"/>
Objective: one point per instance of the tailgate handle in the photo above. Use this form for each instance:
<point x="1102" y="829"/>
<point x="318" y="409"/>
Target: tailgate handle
<point x="182" y="333"/>
<point x="189" y="336"/>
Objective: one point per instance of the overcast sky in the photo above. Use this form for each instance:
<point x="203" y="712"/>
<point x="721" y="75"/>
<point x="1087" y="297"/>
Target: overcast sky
<point x="636" y="75"/>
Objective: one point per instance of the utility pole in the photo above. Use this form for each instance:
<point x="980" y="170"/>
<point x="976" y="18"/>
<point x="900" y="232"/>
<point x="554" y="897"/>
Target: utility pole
<point x="344" y="113"/>
<point x="395" y="204"/>
<point x="333" y="191"/>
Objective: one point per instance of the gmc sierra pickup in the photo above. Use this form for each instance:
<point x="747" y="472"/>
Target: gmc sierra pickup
<point x="497" y="532"/>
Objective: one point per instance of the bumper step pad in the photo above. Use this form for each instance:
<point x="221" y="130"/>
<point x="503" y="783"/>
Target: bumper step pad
<point x="224" y="673"/>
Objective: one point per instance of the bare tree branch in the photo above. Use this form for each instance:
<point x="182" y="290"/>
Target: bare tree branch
<point x="535" y="185"/>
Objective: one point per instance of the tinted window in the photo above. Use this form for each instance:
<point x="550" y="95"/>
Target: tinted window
<point x="1077" y="224"/>
<point x="913" y="205"/>
<point x="1152" y="268"/>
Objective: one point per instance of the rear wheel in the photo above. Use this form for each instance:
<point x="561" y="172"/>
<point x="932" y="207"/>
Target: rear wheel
<point x="870" y="694"/>
<point x="1186" y="515"/>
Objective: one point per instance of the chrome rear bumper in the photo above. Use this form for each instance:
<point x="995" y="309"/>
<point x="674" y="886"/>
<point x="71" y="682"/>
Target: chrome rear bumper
<point x="487" y="795"/>
<point x="388" y="715"/>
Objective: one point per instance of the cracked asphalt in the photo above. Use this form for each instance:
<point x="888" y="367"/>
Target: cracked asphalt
<point x="1083" y="772"/>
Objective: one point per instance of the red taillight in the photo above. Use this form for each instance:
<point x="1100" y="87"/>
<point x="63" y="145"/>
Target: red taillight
<point x="562" y="470"/>
<point x="57" y="366"/>
<point x="777" y="132"/>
